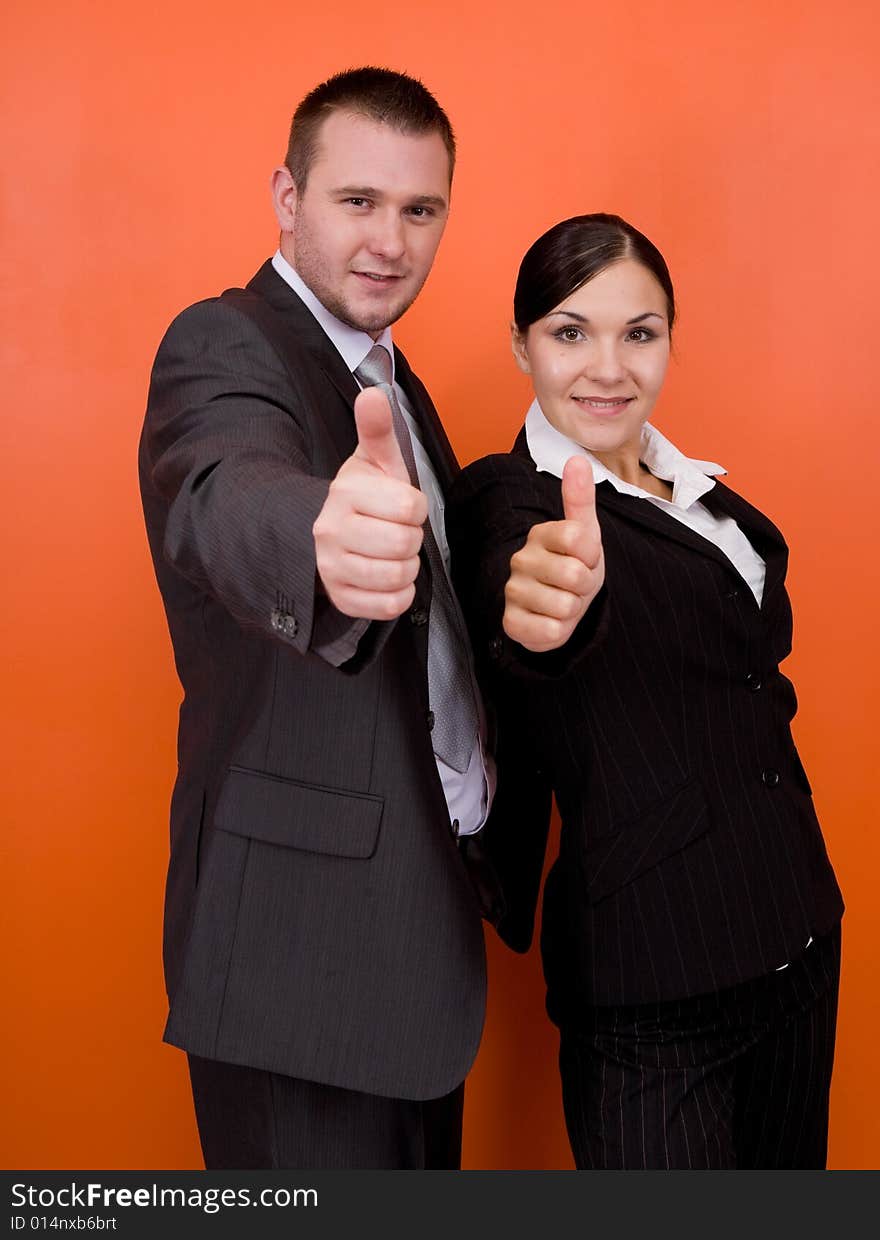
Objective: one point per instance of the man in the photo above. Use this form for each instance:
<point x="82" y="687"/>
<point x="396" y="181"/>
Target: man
<point x="323" y="944"/>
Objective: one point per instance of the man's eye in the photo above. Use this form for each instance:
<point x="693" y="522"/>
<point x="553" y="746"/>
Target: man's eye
<point x="357" y="202"/>
<point x="421" y="213"/>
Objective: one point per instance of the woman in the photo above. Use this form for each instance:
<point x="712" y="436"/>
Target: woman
<point x="632" y="631"/>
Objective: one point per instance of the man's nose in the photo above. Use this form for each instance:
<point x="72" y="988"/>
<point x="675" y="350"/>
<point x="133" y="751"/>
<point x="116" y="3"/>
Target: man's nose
<point x="387" y="238"/>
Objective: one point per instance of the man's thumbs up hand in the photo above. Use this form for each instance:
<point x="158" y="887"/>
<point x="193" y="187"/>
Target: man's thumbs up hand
<point x="559" y="571"/>
<point x="369" y="531"/>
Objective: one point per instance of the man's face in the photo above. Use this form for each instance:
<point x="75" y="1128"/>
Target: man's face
<point x="364" y="232"/>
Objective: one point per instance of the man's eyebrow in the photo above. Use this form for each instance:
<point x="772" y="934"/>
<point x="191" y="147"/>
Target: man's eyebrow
<point x="582" y="318"/>
<point x="356" y="191"/>
<point x="370" y="191"/>
<point x="429" y="200"/>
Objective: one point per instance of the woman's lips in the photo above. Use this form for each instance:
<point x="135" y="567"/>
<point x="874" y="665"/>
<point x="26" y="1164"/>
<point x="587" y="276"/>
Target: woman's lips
<point x="604" y="405"/>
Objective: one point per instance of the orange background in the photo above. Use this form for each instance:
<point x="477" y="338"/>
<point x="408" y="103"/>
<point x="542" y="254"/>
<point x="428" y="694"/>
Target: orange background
<point x="136" y="152"/>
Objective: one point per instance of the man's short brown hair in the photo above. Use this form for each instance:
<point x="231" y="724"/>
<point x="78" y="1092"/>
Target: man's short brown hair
<point x="380" y="95"/>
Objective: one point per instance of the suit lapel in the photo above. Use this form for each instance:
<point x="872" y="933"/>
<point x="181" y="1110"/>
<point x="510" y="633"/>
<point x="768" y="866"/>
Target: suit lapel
<point x="435" y="443"/>
<point x="760" y="531"/>
<point x="434" y="437"/>
<point x="293" y="321"/>
<point x="297" y="318"/>
<point x="285" y="318"/>
<point x="720" y="500"/>
<point x="642" y="512"/>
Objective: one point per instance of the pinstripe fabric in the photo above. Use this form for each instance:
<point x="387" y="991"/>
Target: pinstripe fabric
<point x="734" y="1080"/>
<point x="691" y="859"/>
<point x="319" y="922"/>
<point x="690" y="856"/>
<point x="691" y="863"/>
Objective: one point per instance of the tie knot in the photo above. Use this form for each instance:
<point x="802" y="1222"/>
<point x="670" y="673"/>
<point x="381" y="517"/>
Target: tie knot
<point x="375" y="368"/>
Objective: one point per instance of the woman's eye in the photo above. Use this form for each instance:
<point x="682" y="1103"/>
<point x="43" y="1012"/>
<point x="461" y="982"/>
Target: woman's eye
<point x="639" y="335"/>
<point x="570" y="335"/>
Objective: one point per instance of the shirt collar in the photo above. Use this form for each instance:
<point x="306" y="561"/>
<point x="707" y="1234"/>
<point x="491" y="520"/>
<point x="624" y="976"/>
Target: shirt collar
<point x="352" y="344"/>
<point x="690" y="479"/>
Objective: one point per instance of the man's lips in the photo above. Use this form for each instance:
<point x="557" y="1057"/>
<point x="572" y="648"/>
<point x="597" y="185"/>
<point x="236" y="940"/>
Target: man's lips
<point x="378" y="279"/>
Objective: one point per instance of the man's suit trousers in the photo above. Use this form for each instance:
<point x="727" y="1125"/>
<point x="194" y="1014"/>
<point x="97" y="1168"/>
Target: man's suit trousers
<point x="250" y="1119"/>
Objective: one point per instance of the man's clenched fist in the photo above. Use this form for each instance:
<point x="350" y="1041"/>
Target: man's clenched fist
<point x="369" y="532"/>
<point x="560" y="569"/>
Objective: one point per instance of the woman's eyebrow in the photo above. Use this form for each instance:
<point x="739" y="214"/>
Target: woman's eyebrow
<point x="582" y="318"/>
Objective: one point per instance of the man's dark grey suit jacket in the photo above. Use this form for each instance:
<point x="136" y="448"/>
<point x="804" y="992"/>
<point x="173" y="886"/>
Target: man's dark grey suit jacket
<point x="319" y="919"/>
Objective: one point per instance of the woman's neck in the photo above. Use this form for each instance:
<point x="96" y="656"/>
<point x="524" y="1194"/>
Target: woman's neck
<point x="626" y="465"/>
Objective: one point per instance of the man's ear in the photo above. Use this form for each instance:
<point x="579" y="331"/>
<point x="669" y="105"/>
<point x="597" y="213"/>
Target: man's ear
<point x="518" y="345"/>
<point x="284" y="198"/>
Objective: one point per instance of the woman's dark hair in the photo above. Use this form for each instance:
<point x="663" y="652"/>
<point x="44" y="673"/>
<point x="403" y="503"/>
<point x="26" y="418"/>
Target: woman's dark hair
<point x="573" y="252"/>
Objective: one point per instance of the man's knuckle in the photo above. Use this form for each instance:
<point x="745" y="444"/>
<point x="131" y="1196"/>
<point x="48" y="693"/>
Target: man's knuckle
<point x="401" y="574"/>
<point x="386" y="607"/>
<point x="402" y="542"/>
<point x="411" y="505"/>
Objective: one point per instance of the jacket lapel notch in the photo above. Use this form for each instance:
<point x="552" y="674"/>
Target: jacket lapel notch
<point x="643" y="512"/>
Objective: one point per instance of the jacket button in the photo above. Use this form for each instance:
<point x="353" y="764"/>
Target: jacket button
<point x="731" y="593"/>
<point x="418" y="616"/>
<point x="430" y="720"/>
<point x="283" y="622"/>
<point x="770" y="777"/>
<point x="753" y="681"/>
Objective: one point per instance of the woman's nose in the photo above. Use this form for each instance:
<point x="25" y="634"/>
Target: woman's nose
<point x="604" y="364"/>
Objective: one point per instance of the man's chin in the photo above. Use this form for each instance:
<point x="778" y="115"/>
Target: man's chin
<point x="373" y="319"/>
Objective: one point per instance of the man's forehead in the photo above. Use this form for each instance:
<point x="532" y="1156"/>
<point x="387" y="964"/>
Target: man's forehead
<point x="361" y="153"/>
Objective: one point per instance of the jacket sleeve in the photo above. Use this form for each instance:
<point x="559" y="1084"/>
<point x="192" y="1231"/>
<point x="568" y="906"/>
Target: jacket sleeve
<point x="226" y="448"/>
<point x="492" y="506"/>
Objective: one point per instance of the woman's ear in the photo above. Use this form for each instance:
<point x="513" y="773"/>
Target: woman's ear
<point x="518" y="345"/>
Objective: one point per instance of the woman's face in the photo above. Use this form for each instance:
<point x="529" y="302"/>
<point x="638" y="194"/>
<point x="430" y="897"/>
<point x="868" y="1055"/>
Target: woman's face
<point x="598" y="360"/>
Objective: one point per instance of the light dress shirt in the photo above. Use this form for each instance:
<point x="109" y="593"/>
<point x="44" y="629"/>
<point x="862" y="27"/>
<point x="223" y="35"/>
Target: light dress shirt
<point x="468" y="794"/>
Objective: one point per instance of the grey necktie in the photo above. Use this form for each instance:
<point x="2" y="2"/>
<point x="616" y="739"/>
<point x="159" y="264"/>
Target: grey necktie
<point x="450" y="684"/>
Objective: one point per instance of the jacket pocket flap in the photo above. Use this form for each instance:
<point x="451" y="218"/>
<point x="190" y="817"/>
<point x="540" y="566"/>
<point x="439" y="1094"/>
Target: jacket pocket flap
<point x="296" y="815"/>
<point x="668" y="826"/>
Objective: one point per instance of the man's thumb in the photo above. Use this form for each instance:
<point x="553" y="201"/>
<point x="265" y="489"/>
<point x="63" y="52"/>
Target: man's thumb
<point x="579" y="491"/>
<point x="377" y="442"/>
